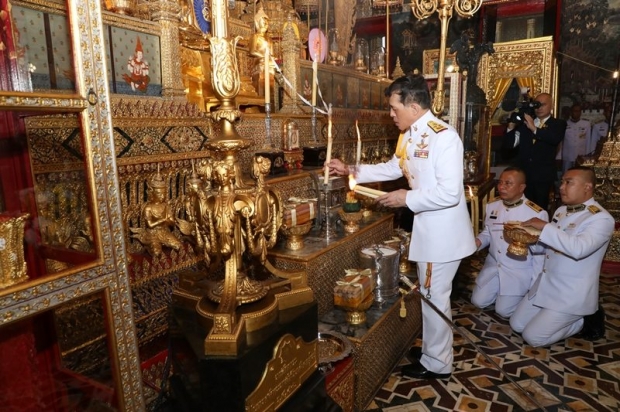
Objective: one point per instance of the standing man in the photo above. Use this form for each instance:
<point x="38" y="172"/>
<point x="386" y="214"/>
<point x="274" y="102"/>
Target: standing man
<point x="505" y="279"/>
<point x="566" y="291"/>
<point x="600" y="129"/>
<point x="429" y="154"/>
<point x="537" y="140"/>
<point x="576" y="139"/>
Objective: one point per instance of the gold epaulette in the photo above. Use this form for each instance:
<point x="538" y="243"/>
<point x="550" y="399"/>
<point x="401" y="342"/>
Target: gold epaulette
<point x="593" y="209"/>
<point x="437" y="127"/>
<point x="534" y="206"/>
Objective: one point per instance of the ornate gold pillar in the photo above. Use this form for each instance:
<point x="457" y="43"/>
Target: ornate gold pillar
<point x="167" y="14"/>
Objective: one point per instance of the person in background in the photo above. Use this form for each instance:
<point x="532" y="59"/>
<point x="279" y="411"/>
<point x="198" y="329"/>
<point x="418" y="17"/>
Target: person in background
<point x="429" y="154"/>
<point x="600" y="129"/>
<point x="564" y="298"/>
<point x="576" y="138"/>
<point x="537" y="140"/>
<point x="505" y="279"/>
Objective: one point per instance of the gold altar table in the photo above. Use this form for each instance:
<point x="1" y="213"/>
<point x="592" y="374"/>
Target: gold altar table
<point x="380" y="343"/>
<point x="325" y="261"/>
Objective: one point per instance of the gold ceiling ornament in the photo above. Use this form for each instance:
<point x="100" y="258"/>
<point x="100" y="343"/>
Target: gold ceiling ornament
<point x="303" y="6"/>
<point x="422" y="9"/>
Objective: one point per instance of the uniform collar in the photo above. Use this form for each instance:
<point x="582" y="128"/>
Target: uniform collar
<point x="421" y="122"/>
<point x="575" y="208"/>
<point x="513" y="204"/>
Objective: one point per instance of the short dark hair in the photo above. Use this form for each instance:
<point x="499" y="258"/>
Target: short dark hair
<point x="411" y="88"/>
<point x="590" y="175"/>
<point x="518" y="170"/>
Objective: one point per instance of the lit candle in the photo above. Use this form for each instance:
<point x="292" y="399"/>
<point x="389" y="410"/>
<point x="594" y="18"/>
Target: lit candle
<point x="328" y="157"/>
<point x="267" y="91"/>
<point x="358" y="154"/>
<point x="315" y="68"/>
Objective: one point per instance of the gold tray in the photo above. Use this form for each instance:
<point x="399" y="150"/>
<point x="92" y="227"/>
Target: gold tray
<point x="333" y="346"/>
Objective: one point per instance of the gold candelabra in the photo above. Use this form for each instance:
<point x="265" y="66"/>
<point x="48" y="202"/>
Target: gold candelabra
<point x="422" y="9"/>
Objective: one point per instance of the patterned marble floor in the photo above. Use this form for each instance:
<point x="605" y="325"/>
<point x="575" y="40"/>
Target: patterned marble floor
<point x="572" y="375"/>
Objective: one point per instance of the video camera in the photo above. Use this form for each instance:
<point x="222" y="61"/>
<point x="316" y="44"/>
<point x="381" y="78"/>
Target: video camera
<point x="526" y="105"/>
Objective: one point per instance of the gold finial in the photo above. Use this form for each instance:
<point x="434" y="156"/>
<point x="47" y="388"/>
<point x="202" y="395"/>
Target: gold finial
<point x="157" y="182"/>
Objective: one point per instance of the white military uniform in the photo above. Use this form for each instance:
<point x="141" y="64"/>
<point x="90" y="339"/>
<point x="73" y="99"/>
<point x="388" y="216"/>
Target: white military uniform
<point x="431" y="156"/>
<point x="574" y="243"/>
<point x="576" y="142"/>
<point x="599" y="130"/>
<point x="505" y="279"/>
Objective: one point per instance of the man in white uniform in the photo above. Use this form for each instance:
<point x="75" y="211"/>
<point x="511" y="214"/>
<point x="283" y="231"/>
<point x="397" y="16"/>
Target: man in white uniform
<point x="576" y="138"/>
<point x="505" y="279"/>
<point x="574" y="243"/>
<point x="429" y="154"/>
<point x="600" y="129"/>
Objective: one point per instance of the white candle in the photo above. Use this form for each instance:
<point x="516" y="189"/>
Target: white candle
<point x="328" y="157"/>
<point x="315" y="68"/>
<point x="358" y="154"/>
<point x="267" y="91"/>
<point x="366" y="191"/>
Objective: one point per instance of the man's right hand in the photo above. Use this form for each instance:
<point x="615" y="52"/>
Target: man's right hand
<point x="336" y="167"/>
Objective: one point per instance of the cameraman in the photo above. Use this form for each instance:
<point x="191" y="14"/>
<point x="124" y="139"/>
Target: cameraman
<point x="537" y="139"/>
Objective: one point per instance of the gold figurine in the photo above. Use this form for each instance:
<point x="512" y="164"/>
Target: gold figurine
<point x="159" y="219"/>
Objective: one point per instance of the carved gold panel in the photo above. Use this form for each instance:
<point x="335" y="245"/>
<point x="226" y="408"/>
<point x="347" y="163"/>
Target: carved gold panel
<point x="518" y="59"/>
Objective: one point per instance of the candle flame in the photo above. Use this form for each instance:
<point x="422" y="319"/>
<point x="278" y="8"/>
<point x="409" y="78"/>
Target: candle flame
<point x="358" y="130"/>
<point x="471" y="192"/>
<point x="352" y="182"/>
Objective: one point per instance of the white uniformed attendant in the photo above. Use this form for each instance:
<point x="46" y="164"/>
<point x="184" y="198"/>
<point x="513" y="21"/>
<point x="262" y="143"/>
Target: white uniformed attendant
<point x="576" y="138"/>
<point x="505" y="279"/>
<point x="600" y="129"/>
<point x="574" y="243"/>
<point x="429" y="154"/>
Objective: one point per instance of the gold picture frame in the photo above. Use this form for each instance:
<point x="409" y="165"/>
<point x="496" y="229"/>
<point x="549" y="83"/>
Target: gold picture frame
<point x="430" y="62"/>
<point x="454" y="89"/>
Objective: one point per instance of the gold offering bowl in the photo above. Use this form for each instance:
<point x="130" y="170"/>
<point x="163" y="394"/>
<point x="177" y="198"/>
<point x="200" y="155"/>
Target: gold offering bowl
<point x="295" y="235"/>
<point x="519" y="238"/>
<point x="351" y="220"/>
<point x="356" y="315"/>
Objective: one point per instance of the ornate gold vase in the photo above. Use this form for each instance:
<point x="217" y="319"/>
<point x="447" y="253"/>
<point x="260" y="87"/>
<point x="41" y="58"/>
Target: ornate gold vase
<point x="351" y="220"/>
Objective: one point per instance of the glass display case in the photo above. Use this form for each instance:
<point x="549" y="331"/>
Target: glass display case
<point x="60" y="243"/>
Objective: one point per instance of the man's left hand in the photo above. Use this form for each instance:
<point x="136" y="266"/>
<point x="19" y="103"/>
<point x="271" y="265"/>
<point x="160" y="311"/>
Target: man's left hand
<point x="397" y="198"/>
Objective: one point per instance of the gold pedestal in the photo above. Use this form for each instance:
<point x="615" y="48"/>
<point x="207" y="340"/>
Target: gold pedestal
<point x="295" y="235"/>
<point x="356" y="315"/>
<point x="351" y="220"/>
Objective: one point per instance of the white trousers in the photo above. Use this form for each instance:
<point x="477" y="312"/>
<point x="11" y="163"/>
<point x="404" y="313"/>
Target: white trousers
<point x="437" y="339"/>
<point x="483" y="296"/>
<point x="542" y="326"/>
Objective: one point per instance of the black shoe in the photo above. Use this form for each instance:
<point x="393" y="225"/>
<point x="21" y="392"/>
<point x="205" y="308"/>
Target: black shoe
<point x="415" y="353"/>
<point x="593" y="326"/>
<point x="417" y="371"/>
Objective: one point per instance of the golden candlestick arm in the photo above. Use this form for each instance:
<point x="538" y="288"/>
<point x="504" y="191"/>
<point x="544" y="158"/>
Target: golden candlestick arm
<point x="422" y="9"/>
